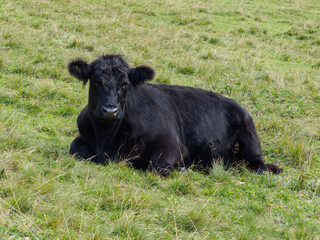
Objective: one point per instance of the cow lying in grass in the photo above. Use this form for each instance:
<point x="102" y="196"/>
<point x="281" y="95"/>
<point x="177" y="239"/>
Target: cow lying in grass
<point x="159" y="127"/>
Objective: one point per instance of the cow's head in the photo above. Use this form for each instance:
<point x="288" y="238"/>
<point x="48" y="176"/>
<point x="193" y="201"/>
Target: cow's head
<point x="109" y="77"/>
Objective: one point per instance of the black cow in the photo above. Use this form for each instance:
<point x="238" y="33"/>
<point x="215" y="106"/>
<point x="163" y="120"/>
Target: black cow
<point x="159" y="127"/>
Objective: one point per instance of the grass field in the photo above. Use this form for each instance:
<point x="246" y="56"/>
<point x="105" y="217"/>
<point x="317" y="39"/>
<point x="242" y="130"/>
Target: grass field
<point x="264" y="54"/>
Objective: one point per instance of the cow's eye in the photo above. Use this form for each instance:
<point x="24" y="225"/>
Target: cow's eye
<point x="124" y="86"/>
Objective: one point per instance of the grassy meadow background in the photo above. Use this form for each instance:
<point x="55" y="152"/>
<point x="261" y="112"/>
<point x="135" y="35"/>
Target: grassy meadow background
<point x="264" y="54"/>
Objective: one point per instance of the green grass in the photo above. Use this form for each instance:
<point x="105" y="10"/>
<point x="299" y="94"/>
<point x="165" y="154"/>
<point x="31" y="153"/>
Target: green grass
<point x="264" y="54"/>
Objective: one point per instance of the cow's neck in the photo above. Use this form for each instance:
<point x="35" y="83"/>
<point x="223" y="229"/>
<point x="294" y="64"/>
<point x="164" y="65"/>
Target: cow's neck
<point x="106" y="133"/>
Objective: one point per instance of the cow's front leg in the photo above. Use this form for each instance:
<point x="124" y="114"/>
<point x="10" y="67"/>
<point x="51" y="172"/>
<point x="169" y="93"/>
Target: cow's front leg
<point x="80" y="149"/>
<point x="165" y="158"/>
<point x="162" y="163"/>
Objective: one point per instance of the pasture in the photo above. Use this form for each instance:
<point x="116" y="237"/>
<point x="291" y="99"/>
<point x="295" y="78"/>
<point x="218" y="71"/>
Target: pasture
<point x="263" y="54"/>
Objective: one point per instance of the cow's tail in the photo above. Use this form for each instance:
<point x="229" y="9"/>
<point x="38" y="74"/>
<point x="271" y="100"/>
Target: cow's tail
<point x="274" y="168"/>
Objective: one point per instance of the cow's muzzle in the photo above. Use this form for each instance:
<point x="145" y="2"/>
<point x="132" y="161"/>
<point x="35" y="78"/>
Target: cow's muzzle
<point x="110" y="112"/>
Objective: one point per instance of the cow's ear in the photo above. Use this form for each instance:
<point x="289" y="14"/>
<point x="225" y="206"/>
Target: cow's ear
<point x="141" y="74"/>
<point x="80" y="69"/>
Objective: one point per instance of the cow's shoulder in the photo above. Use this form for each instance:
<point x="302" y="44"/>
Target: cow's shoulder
<point x="83" y="117"/>
<point x="84" y="124"/>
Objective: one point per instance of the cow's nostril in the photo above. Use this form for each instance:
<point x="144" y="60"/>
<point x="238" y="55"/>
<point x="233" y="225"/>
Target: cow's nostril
<point x="115" y="110"/>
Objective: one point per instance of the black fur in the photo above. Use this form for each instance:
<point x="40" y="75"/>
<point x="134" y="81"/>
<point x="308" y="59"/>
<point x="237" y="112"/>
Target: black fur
<point x="80" y="69"/>
<point x="161" y="127"/>
<point x="141" y="74"/>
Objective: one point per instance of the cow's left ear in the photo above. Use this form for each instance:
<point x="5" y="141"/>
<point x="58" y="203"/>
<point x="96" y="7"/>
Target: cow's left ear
<point x="141" y="74"/>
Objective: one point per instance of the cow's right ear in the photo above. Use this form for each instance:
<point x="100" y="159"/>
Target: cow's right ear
<point x="80" y="69"/>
